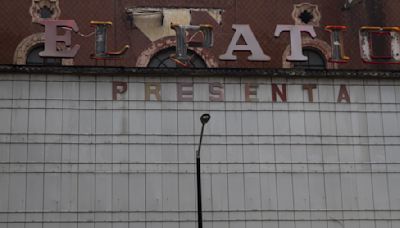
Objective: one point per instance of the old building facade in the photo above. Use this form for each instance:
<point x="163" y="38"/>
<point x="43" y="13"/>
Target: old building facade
<point x="92" y="142"/>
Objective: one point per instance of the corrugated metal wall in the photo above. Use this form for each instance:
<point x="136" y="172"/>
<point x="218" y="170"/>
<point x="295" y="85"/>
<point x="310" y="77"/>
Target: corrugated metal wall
<point x="71" y="157"/>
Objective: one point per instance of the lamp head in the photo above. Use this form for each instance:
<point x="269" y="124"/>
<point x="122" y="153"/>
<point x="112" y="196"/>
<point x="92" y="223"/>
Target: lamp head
<point x="205" y="118"/>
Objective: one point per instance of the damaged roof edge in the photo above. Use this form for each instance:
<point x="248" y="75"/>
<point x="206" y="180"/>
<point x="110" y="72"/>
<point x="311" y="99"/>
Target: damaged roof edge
<point x="231" y="72"/>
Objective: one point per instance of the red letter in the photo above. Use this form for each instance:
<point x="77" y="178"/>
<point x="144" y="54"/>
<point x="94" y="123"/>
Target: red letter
<point x="343" y="94"/>
<point x="338" y="55"/>
<point x="275" y="91"/>
<point x="51" y="38"/>
<point x="118" y="89"/>
<point x="309" y="89"/>
<point x="185" y="91"/>
<point x="295" y="39"/>
<point x="216" y="91"/>
<point x="251" y="92"/>
<point x="152" y="88"/>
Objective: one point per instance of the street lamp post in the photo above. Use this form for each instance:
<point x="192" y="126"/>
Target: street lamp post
<point x="203" y="119"/>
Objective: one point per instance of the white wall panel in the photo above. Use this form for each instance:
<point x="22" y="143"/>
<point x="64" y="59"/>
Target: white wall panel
<point x="393" y="155"/>
<point x="328" y="123"/>
<point x="86" y="189"/>
<point x="358" y="121"/>
<point x="394" y="186"/>
<point x="364" y="194"/>
<point x="390" y="124"/>
<point x="120" y="153"/>
<point x="34" y="192"/>
<point x="206" y="193"/>
<point x="249" y="123"/>
<point x="318" y="192"/>
<point x="281" y="123"/>
<point x="217" y="125"/>
<point x="285" y="191"/>
<point x="19" y="123"/>
<point x="153" y="122"/>
<point x="4" y="187"/>
<point x="18" y="153"/>
<point x="297" y="123"/>
<point x="76" y="158"/>
<point x="4" y="155"/>
<point x="120" y="192"/>
<point x="20" y="89"/>
<point x="187" y="200"/>
<point x="252" y="191"/>
<point x="87" y="121"/>
<point x="268" y="191"/>
<point x="69" y="195"/>
<point x="154" y="192"/>
<point x="234" y="123"/>
<point x="169" y="125"/>
<point x="236" y="191"/>
<point x="219" y="192"/>
<point x="343" y="120"/>
<point x="104" y="121"/>
<point x="333" y="191"/>
<point x="52" y="153"/>
<point x="37" y="121"/>
<point x="170" y="194"/>
<point x="54" y="90"/>
<point x="5" y="120"/>
<point x="185" y="123"/>
<point x="137" y="125"/>
<point x="52" y="192"/>
<point x="349" y="191"/>
<point x="70" y="121"/>
<point x="137" y="192"/>
<point x="301" y="192"/>
<point x="6" y="88"/>
<point x="53" y="121"/>
<point x="103" y="190"/>
<point x="17" y="192"/>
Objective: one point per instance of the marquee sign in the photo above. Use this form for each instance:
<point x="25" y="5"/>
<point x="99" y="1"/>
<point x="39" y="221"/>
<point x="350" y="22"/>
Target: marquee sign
<point x="216" y="91"/>
<point x="366" y="36"/>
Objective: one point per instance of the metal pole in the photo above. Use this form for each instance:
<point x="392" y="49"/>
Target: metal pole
<point x="203" y="119"/>
<point x="199" y="210"/>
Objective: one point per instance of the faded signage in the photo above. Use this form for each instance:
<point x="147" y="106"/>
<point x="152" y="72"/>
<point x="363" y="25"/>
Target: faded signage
<point x="216" y="92"/>
<point x="241" y="31"/>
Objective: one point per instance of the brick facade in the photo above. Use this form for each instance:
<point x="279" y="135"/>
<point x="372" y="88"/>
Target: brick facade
<point x="262" y="15"/>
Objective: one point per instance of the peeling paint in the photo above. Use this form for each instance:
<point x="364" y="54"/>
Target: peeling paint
<point x="144" y="58"/>
<point x="155" y="22"/>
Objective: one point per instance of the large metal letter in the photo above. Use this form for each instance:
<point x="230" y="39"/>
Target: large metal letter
<point x="101" y="42"/>
<point x="182" y="43"/>
<point x="252" y="45"/>
<point x="338" y="55"/>
<point x="295" y="39"/>
<point x="392" y="34"/>
<point x="52" y="38"/>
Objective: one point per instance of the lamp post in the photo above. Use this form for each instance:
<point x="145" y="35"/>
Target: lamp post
<point x="203" y="119"/>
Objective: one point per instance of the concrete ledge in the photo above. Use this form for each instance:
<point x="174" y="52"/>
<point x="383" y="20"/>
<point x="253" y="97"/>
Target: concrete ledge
<point x="231" y="72"/>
